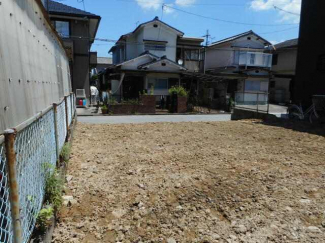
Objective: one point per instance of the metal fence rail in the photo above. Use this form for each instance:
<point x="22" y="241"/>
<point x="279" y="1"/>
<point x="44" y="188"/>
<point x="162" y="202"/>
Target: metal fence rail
<point x="34" y="152"/>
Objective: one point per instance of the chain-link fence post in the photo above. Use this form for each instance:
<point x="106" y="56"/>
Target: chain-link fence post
<point x="72" y="105"/>
<point x="10" y="136"/>
<point x="56" y="130"/>
<point x="66" y="117"/>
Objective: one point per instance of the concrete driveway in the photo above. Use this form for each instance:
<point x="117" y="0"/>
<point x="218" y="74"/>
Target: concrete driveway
<point x="152" y="118"/>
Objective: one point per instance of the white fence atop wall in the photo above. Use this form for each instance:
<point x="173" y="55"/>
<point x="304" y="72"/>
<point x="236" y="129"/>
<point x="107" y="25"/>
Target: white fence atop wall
<point x="255" y="59"/>
<point x="34" y="67"/>
<point x="37" y="144"/>
<point x="257" y="101"/>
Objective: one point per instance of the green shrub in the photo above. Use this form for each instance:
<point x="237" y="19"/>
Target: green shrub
<point x="53" y="189"/>
<point x="65" y="152"/>
<point x="179" y="90"/>
<point x="152" y="90"/>
<point x="43" y="218"/>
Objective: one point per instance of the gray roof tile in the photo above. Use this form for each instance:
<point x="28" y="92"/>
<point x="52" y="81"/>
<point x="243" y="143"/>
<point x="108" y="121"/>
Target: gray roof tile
<point x="288" y="43"/>
<point x="59" y="8"/>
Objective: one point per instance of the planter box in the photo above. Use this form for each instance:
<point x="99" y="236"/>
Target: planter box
<point x="150" y="102"/>
<point x="181" y="104"/>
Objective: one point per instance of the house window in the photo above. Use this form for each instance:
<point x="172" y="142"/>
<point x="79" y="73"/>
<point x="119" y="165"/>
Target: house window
<point x="62" y="27"/>
<point x="154" y="47"/>
<point x="158" y="83"/>
<point x="252" y="59"/>
<point x="193" y="55"/>
<point x="275" y="59"/>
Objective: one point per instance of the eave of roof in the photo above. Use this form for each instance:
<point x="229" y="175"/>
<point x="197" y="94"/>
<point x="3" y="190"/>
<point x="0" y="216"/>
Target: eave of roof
<point x="161" y="60"/>
<point x="187" y="38"/>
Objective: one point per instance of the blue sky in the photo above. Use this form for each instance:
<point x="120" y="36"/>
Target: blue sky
<point x="122" y="16"/>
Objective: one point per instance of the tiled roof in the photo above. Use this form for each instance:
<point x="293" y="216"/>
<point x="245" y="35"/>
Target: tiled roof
<point x="239" y="36"/>
<point x="59" y="8"/>
<point x="288" y="43"/>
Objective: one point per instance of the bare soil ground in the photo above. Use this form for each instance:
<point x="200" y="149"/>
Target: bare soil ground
<point x="194" y="182"/>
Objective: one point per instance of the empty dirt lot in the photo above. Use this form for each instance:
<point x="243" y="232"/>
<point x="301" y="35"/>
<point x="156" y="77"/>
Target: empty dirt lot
<point x="194" y="182"/>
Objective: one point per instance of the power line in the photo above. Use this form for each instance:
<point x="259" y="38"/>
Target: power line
<point x="110" y="41"/>
<point x="278" y="31"/>
<point x="190" y="4"/>
<point x="223" y="20"/>
<point x="280" y="9"/>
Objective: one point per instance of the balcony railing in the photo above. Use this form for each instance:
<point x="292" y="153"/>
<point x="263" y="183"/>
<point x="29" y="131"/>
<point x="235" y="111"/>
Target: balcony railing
<point x="255" y="59"/>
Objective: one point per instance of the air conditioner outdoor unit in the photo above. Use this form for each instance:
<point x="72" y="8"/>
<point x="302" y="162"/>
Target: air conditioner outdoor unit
<point x="80" y="93"/>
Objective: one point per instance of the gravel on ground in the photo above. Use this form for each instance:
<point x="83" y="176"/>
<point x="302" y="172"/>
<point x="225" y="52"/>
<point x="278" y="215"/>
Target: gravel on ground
<point x="243" y="181"/>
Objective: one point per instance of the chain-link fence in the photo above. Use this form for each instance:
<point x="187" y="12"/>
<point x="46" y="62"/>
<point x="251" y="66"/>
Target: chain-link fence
<point x="35" y="153"/>
<point x="5" y="214"/>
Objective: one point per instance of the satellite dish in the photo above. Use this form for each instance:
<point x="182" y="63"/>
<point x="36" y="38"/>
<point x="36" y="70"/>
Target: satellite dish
<point x="180" y="62"/>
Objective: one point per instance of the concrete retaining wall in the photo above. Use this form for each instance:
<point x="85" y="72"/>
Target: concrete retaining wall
<point x="240" y="114"/>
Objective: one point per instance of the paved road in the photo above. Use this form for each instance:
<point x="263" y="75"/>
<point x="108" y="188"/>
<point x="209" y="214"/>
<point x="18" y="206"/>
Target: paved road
<point x="153" y="118"/>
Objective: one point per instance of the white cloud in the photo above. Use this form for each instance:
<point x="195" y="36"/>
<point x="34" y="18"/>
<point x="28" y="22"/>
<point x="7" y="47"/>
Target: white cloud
<point x="155" y="5"/>
<point x="150" y="5"/>
<point x="168" y="10"/>
<point x="184" y="2"/>
<point x="292" y="6"/>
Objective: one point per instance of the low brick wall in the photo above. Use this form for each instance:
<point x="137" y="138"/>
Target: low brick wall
<point x="150" y="102"/>
<point x="181" y="104"/>
<point x="147" y="105"/>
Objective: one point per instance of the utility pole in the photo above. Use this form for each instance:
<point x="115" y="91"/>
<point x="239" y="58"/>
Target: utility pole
<point x="207" y="36"/>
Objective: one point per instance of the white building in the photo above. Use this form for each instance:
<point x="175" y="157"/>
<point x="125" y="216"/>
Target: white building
<point x="284" y="68"/>
<point x="243" y="60"/>
<point x="153" y="55"/>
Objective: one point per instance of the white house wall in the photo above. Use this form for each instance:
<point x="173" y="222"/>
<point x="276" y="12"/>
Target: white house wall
<point x="286" y="62"/>
<point x="216" y="57"/>
<point x="245" y="43"/>
<point x="162" y="33"/>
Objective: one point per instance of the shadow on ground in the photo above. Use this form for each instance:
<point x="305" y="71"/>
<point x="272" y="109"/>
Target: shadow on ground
<point x="300" y="126"/>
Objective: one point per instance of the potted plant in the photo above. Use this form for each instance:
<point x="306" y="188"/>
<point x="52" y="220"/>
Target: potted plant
<point x="104" y="109"/>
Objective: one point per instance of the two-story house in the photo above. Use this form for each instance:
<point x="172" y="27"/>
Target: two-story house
<point x="284" y="70"/>
<point x="151" y="57"/>
<point x="242" y="61"/>
<point x="78" y="30"/>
